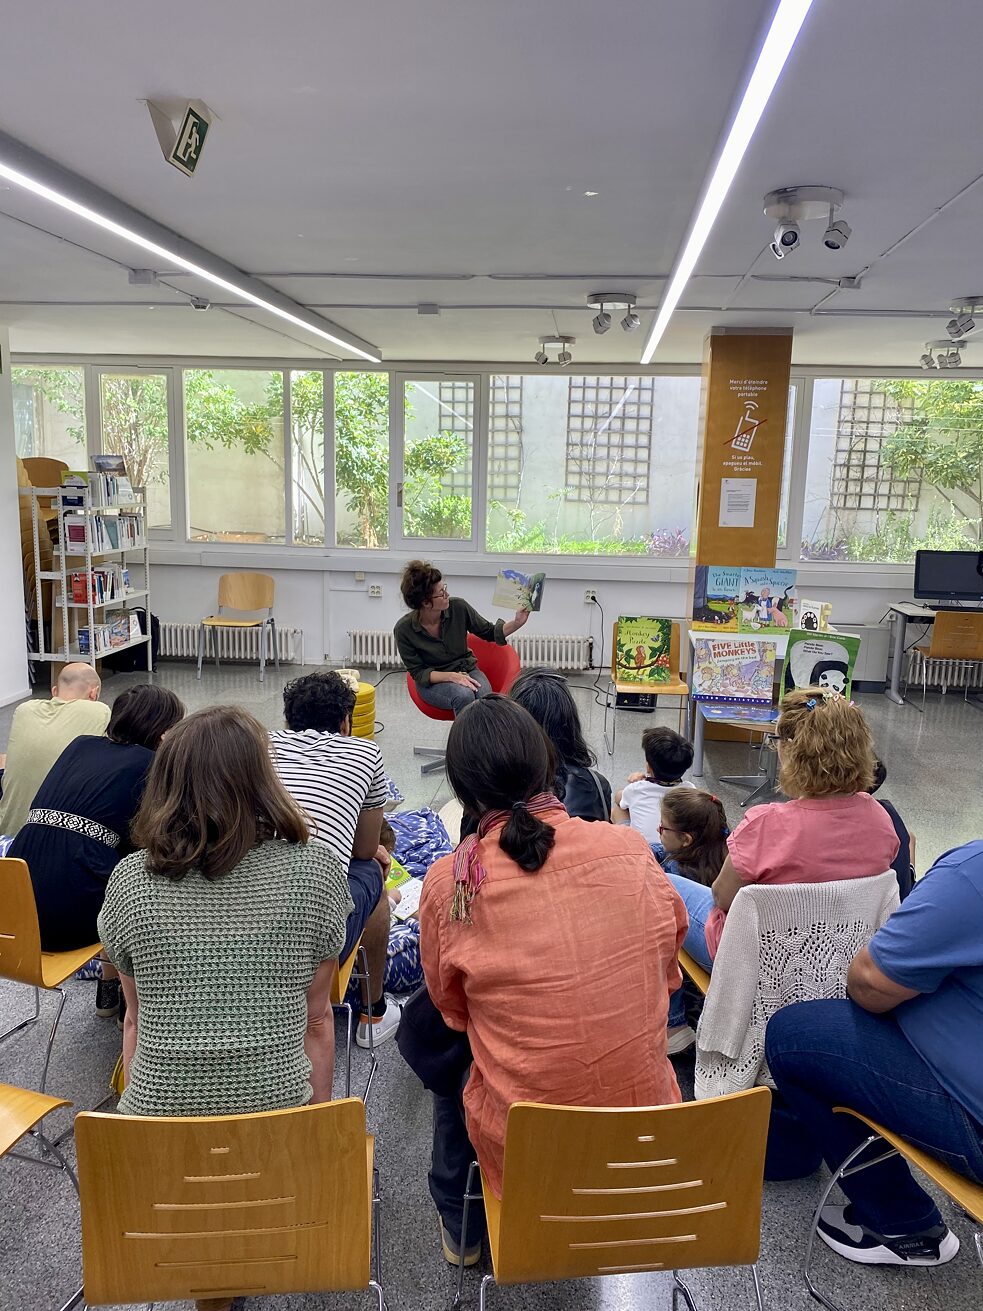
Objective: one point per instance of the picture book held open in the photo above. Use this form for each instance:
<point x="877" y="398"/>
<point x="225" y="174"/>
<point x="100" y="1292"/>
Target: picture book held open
<point x="738" y="669"/>
<point x="515" y="590"/>
<point x="641" y="653"/>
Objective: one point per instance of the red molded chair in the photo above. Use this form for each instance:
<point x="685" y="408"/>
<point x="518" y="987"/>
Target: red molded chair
<point x="499" y="664"/>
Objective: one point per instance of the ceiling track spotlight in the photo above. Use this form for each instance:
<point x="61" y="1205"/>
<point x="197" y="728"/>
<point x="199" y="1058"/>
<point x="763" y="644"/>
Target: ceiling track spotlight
<point x="963" y="309"/>
<point x="791" y="206"/>
<point x="605" y="301"/>
<point x="947" y="354"/>
<point x="558" y="342"/>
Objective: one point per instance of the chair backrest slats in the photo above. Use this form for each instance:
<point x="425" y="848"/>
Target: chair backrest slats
<point x="600" y="1191"/>
<point x="277" y="1202"/>
<point x="245" y="591"/>
<point x="20" y="936"/>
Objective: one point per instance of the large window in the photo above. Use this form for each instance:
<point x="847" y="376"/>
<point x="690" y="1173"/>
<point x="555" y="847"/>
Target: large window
<point x="438" y="447"/>
<point x="135" y="423"/>
<point x="361" y="459"/>
<point x="895" y="464"/>
<point x="233" y="420"/>
<point x="593" y="465"/>
<point x="307" y="456"/>
<point x="49" y="414"/>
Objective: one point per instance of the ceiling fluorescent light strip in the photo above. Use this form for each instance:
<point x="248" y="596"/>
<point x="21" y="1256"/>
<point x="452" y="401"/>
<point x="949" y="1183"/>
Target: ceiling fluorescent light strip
<point x="189" y="266"/>
<point x="785" y="27"/>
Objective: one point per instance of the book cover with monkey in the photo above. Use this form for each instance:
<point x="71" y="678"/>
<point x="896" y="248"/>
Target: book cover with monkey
<point x="641" y="653"/>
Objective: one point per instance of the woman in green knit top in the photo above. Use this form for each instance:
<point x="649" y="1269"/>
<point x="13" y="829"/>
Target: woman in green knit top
<point x="225" y="928"/>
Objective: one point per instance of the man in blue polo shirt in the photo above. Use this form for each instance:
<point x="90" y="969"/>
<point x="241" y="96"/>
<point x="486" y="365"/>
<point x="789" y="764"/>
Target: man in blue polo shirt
<point x="906" y="1050"/>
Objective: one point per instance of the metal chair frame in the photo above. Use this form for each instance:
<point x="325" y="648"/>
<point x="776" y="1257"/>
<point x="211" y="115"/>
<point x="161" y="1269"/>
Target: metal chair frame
<point x="361" y="975"/>
<point x="228" y="586"/>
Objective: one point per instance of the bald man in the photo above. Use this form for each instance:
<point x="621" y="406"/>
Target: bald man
<point x="40" y="732"/>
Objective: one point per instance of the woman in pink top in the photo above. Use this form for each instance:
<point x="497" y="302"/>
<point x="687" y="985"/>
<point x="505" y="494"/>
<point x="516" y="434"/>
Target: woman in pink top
<point x="522" y="931"/>
<point x="830" y="829"/>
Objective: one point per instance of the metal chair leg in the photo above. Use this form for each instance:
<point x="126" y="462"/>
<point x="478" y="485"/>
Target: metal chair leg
<point x="77" y="1299"/>
<point x="469" y="1197"/>
<point x="486" y="1283"/>
<point x="263" y="630"/>
<point x="276" y="650"/>
<point x="363" y="977"/>
<point x="680" y="1289"/>
<point x="759" y="1298"/>
<point x="32" y="1019"/>
<point x="837" y="1175"/>
<point x="214" y="633"/>
<point x="201" y="647"/>
<point x="377" y="1227"/>
<point x="62" y="998"/>
<point x="978" y="1240"/>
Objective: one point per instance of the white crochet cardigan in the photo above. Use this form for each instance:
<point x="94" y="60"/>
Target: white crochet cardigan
<point x="782" y="943"/>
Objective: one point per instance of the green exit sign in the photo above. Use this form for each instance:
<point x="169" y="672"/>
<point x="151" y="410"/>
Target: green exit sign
<point x="190" y="141"/>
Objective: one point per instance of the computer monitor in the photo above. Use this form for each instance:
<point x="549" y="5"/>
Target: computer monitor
<point x="949" y="575"/>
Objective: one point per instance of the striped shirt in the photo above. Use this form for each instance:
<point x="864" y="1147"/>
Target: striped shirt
<point x="333" y="779"/>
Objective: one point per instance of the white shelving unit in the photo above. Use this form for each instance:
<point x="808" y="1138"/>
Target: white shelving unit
<point x="81" y="557"/>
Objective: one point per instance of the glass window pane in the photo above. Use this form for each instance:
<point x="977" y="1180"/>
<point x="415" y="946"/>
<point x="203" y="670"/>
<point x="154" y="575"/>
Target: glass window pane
<point x="786" y="468"/>
<point x="895" y="465"/>
<point x="437" y="459"/>
<point x="589" y="465"/>
<point x="233" y="422"/>
<point x="361" y="458"/>
<point x="307" y="456"/>
<point x="49" y="413"/>
<point x="133" y="409"/>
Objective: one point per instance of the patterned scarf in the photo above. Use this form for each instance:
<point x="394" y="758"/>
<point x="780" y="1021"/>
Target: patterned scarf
<point x="469" y="873"/>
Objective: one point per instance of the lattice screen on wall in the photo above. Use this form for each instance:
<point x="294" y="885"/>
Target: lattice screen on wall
<point x="861" y="479"/>
<point x="504" y="435"/>
<point x="609" y="438"/>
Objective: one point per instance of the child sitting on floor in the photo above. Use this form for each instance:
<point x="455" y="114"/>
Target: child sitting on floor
<point x="667" y="758"/>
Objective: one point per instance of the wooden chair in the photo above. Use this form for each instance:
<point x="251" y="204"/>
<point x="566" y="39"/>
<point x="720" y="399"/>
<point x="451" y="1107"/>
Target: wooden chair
<point x="243" y="592"/>
<point x="21" y="1112"/>
<point x="964" y="1192"/>
<point x="21" y="957"/>
<point x="343" y="975"/>
<point x="499" y="664"/>
<point x="697" y="973"/>
<point x="676" y="688"/>
<point x="227" y="1206"/>
<point x="957" y="639"/>
<point x="621" y="1190"/>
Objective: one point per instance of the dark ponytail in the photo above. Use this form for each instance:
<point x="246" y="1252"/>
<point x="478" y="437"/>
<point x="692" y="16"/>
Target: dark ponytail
<point x="498" y="758"/>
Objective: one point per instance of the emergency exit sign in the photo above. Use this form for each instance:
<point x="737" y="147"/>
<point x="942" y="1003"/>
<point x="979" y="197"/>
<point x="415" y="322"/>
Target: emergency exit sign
<point x="190" y="142"/>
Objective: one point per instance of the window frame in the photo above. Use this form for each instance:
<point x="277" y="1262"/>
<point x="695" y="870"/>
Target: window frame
<point x="172" y="546"/>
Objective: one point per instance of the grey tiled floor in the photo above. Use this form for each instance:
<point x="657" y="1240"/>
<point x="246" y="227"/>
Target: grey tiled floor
<point x="934" y="764"/>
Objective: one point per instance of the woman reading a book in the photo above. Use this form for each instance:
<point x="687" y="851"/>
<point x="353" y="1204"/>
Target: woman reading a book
<point x="498" y="918"/>
<point x="433" y="639"/>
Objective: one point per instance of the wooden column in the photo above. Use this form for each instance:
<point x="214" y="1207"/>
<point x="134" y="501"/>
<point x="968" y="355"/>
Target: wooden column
<point x="744" y="405"/>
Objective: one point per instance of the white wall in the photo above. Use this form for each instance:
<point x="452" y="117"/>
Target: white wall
<point x="14" y="683"/>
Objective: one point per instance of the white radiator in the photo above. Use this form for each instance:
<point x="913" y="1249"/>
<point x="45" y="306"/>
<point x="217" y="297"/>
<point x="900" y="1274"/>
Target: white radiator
<point x="554" y="650"/>
<point x="180" y="642"/>
<point x="944" y="673"/>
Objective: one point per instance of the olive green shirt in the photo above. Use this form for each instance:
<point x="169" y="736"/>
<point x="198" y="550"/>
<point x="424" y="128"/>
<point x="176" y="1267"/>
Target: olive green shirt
<point x="448" y="652"/>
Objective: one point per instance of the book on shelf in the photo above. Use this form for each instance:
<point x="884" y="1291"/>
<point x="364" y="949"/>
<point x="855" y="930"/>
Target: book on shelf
<point x="641" y="652"/>
<point x="715" y="597"/>
<point x="109" y="532"/>
<point x="827" y="660"/>
<point x="114" y="464"/>
<point x="812" y="616"/>
<point x="74" y="482"/>
<point x="109" y="582"/>
<point x="728" y="599"/>
<point x="738" y="669"/>
<point x="515" y="590"/>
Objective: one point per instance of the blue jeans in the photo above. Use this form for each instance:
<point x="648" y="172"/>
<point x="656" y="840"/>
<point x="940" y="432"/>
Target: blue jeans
<point x="454" y="696"/>
<point x="699" y="903"/>
<point x="833" y="1053"/>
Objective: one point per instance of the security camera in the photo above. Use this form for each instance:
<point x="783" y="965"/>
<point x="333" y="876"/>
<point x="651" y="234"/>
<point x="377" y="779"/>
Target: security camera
<point x="200" y="303"/>
<point x="787" y="235"/>
<point x="837" y="235"/>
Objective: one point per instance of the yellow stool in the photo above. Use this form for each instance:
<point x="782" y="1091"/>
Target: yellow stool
<point x="363" y="716"/>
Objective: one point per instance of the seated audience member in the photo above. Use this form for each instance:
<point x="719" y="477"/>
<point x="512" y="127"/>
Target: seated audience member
<point x="78" y="827"/>
<point x="40" y="732"/>
<point x="832" y="828"/>
<point x="433" y="639"/>
<point x="507" y="961"/>
<point x="906" y="1049"/>
<point x="904" y="862"/>
<point x="693" y="845"/>
<point x="583" y="789"/>
<point x="668" y="755"/>
<point x="340" y="784"/>
<point x="227" y="924"/>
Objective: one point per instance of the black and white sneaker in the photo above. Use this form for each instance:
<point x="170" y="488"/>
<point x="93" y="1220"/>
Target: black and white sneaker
<point x="107" y="997"/>
<point x="839" y="1230"/>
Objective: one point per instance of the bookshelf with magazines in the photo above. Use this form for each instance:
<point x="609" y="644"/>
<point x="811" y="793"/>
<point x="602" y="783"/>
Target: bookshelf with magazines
<point x="100" y="568"/>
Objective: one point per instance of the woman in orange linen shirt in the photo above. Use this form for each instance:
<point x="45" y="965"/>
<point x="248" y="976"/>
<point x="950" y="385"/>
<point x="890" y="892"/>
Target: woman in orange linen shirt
<point x="524" y="932"/>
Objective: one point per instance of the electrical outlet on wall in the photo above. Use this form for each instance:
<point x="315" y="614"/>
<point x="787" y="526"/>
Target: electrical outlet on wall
<point x="590" y="596"/>
<point x="375" y="589"/>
